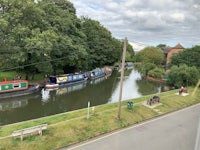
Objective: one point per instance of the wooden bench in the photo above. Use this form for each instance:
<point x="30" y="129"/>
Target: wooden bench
<point x="153" y="100"/>
<point x="29" y="131"/>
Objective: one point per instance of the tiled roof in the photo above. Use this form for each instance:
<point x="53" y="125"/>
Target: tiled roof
<point x="178" y="46"/>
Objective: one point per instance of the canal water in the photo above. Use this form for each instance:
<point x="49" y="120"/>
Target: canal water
<point x="69" y="98"/>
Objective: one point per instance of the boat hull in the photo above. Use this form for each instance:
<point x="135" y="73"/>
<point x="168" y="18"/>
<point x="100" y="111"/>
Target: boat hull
<point x="51" y="86"/>
<point x="97" y="76"/>
<point x="55" y="86"/>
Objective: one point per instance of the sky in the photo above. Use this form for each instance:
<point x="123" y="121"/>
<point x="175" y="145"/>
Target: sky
<point x="146" y="22"/>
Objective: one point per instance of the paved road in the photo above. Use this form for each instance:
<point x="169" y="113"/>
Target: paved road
<point x="175" y="131"/>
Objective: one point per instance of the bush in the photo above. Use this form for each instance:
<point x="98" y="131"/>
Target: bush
<point x="156" y="73"/>
<point x="183" y="76"/>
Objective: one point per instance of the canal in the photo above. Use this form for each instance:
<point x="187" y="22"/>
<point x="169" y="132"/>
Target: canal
<point x="50" y="102"/>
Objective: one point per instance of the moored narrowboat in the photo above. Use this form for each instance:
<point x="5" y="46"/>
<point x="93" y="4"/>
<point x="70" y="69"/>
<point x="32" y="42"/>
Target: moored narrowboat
<point x="16" y="88"/>
<point x="65" y="79"/>
<point x="99" y="73"/>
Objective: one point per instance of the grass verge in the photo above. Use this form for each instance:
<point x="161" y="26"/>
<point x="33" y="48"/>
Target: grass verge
<point x="72" y="127"/>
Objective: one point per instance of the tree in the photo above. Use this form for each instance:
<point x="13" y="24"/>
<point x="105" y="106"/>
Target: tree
<point x="47" y="32"/>
<point x="161" y="46"/>
<point x="47" y="36"/>
<point x="183" y="76"/>
<point x="189" y="56"/>
<point x="151" y="55"/>
<point x="102" y="49"/>
<point x="130" y="53"/>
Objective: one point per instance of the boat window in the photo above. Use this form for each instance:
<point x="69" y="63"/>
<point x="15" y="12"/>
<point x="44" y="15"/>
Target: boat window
<point x="16" y="86"/>
<point x="69" y="78"/>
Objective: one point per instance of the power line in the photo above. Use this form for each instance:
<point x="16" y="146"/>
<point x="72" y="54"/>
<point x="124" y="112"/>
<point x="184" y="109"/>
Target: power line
<point x="140" y="43"/>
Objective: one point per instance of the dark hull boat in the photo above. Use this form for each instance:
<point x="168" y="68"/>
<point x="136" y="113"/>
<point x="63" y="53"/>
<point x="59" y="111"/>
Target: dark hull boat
<point x="65" y="79"/>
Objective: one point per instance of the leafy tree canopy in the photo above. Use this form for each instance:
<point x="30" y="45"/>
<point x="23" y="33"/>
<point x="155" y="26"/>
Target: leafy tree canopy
<point x="102" y="48"/>
<point x="47" y="36"/>
<point x="183" y="76"/>
<point x="190" y="57"/>
<point x="161" y="46"/>
<point x="151" y="55"/>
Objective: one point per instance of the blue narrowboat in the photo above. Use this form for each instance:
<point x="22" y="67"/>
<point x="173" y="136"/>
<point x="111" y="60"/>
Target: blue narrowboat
<point x="66" y="79"/>
<point x="97" y="73"/>
<point x="100" y="73"/>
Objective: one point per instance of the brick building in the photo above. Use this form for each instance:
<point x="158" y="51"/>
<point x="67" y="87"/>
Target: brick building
<point x="169" y="51"/>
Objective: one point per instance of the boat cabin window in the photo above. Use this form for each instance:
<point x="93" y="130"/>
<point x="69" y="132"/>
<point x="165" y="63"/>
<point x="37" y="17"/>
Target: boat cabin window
<point x="15" y="86"/>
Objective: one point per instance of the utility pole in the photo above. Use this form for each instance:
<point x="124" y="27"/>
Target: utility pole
<point x="121" y="79"/>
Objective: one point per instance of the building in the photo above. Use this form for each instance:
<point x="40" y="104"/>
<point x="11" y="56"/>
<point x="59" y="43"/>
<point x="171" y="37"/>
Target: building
<point x="170" y="51"/>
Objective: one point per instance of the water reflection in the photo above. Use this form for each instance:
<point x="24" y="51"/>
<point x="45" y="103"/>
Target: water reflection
<point x="71" y="88"/>
<point x="96" y="81"/>
<point x="147" y="87"/>
<point x="134" y="86"/>
<point x="11" y="104"/>
<point x="48" y="93"/>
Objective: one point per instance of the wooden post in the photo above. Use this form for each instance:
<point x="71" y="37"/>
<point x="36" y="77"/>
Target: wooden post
<point x="121" y="79"/>
<point x="88" y="112"/>
<point x="21" y="136"/>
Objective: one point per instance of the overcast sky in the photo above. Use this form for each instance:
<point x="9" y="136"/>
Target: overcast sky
<point x="149" y="22"/>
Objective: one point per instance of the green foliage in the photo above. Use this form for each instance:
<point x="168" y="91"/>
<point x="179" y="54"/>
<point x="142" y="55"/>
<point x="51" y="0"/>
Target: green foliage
<point x="156" y="73"/>
<point x="190" y="57"/>
<point x="102" y="49"/>
<point x="151" y="55"/>
<point x="161" y="46"/>
<point x="183" y="76"/>
<point x="130" y="53"/>
<point x="47" y="36"/>
<point x="144" y="68"/>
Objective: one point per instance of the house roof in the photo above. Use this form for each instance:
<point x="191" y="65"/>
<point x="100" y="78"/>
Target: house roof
<point x="178" y="46"/>
<point x="168" y="48"/>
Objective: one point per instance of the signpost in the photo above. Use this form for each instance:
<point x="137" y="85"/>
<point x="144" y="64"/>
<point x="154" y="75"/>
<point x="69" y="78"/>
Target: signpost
<point x="88" y="112"/>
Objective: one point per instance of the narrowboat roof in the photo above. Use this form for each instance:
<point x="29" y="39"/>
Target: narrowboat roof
<point x="12" y="81"/>
<point x="63" y="75"/>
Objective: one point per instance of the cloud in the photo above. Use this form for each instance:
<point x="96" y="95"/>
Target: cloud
<point x="137" y="46"/>
<point x="147" y="21"/>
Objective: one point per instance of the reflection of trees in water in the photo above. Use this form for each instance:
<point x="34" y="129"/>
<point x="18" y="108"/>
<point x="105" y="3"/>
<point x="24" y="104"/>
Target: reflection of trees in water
<point x="147" y="87"/>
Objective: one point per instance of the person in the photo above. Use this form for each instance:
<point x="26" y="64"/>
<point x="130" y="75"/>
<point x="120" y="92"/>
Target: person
<point x="18" y="77"/>
<point x="181" y="90"/>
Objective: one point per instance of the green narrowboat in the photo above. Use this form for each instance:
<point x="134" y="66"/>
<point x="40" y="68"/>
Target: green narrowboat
<point x="16" y="88"/>
<point x="15" y="85"/>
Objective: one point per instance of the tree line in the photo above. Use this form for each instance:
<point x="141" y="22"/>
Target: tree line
<point x="47" y="36"/>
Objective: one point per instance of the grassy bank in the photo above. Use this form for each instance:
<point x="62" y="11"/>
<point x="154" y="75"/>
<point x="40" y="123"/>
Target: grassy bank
<point x="11" y="75"/>
<point x="72" y="127"/>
